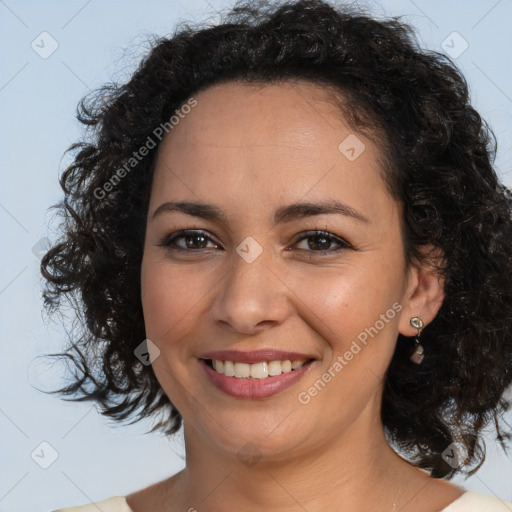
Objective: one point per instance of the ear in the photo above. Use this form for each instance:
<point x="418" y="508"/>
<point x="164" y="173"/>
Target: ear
<point x="424" y="292"/>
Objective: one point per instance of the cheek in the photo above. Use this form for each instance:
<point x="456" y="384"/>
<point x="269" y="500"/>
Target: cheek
<point x="170" y="297"/>
<point x="356" y="313"/>
<point x="349" y="298"/>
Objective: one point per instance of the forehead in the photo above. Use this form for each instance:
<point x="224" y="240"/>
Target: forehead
<point x="287" y="138"/>
<point x="270" y="114"/>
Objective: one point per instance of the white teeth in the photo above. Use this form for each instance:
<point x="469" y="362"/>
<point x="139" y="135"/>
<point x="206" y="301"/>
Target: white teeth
<point x="286" y="366"/>
<point x="242" y="370"/>
<point x="275" y="368"/>
<point x="256" y="370"/>
<point x="229" y="369"/>
<point x="259" y="370"/>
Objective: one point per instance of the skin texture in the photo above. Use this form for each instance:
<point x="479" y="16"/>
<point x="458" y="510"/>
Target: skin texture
<point x="250" y="149"/>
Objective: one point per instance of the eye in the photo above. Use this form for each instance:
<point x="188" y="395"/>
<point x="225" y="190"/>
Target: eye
<point x="193" y="240"/>
<point x="321" y="242"/>
<point x="316" y="242"/>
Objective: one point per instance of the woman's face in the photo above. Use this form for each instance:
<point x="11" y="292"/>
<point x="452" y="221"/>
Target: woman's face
<point x="255" y="277"/>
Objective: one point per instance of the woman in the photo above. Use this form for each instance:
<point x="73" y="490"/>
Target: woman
<point x="288" y="235"/>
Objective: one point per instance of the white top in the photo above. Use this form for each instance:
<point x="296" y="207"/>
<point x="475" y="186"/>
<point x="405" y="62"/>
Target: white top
<point x="468" y="502"/>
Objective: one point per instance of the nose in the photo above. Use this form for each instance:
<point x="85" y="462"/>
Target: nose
<point x="251" y="297"/>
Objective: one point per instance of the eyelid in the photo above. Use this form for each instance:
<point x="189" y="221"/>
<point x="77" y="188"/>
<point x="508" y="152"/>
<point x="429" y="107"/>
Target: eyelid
<point x="341" y="241"/>
<point x="167" y="240"/>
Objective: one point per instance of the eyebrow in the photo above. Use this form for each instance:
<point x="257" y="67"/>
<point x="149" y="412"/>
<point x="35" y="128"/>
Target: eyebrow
<point x="283" y="214"/>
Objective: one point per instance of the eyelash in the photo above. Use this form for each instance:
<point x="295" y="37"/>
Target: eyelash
<point x="168" y="240"/>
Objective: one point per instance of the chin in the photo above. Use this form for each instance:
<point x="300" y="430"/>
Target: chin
<point x="264" y="436"/>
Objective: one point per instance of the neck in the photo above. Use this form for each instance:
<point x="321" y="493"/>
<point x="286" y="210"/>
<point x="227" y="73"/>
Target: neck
<point x="357" y="471"/>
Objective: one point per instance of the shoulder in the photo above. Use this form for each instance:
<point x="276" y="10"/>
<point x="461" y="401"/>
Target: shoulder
<point x="476" y="502"/>
<point x="114" y="504"/>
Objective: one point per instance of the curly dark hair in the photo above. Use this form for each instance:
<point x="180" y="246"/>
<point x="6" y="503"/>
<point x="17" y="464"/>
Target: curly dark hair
<point x="439" y="157"/>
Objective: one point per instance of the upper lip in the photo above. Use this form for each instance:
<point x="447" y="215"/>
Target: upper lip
<point x="254" y="356"/>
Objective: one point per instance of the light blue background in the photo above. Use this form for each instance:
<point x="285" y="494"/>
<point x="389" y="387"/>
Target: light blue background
<point x="38" y="98"/>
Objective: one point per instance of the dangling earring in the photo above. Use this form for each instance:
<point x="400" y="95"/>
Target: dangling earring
<point x="417" y="355"/>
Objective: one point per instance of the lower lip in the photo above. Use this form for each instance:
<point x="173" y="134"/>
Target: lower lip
<point x="254" y="388"/>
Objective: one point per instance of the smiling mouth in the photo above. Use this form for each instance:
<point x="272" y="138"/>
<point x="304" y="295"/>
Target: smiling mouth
<point x="260" y="371"/>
